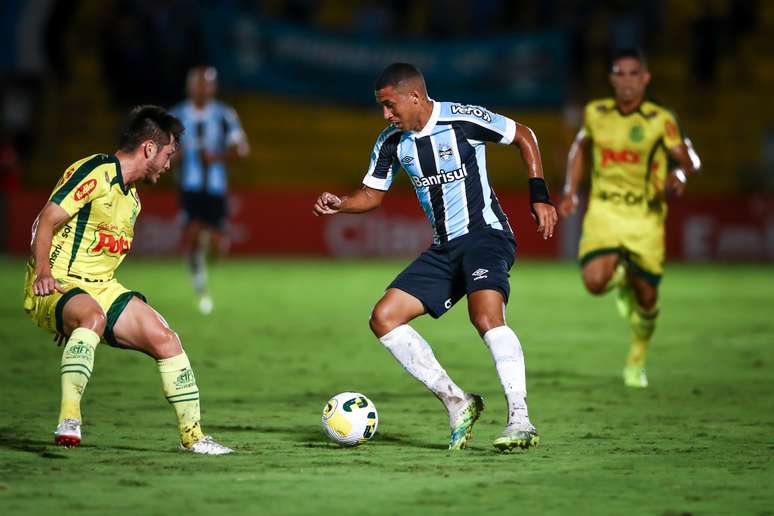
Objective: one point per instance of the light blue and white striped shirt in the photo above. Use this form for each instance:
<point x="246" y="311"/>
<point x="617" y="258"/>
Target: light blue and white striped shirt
<point x="446" y="163"/>
<point x="213" y="129"/>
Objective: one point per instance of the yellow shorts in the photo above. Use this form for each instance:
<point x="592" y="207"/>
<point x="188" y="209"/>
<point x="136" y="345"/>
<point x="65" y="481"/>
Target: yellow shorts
<point x="638" y="237"/>
<point x="46" y="311"/>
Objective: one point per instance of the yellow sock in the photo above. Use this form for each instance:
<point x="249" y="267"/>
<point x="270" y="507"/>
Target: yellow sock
<point x="637" y="352"/>
<point x="618" y="279"/>
<point x="179" y="384"/>
<point x="77" y="363"/>
<point x="643" y="324"/>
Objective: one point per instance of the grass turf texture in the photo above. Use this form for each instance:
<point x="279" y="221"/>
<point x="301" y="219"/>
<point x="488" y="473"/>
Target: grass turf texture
<point x="286" y="335"/>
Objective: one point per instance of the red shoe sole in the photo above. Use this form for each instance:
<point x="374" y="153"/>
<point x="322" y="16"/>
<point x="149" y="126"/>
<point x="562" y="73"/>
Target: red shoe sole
<point x="68" y="441"/>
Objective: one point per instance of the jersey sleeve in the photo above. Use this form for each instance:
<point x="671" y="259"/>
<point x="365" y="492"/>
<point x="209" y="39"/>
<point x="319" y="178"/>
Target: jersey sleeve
<point x="588" y="115"/>
<point x="235" y="135"/>
<point x="673" y="136"/>
<point x="484" y="125"/>
<point x="384" y="161"/>
<point x="80" y="186"/>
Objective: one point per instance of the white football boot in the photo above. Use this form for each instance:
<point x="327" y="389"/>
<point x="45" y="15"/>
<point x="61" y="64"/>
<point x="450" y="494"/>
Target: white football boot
<point x="207" y="446"/>
<point x="68" y="433"/>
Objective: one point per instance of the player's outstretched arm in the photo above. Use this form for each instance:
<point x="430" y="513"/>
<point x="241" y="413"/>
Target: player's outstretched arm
<point x="360" y="201"/>
<point x="688" y="164"/>
<point x="50" y="218"/>
<point x="543" y="211"/>
<point x="576" y="165"/>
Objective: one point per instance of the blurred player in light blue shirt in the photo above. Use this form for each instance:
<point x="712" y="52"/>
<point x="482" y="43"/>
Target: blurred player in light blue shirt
<point x="213" y="136"/>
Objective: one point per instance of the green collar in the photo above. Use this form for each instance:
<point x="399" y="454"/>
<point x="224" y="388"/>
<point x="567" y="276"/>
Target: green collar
<point x="119" y="179"/>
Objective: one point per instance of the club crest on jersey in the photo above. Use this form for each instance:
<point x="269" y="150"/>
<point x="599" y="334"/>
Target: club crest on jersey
<point x="441" y="178"/>
<point x="109" y="242"/>
<point x="85" y="190"/>
<point x="637" y="133"/>
<point x="445" y="152"/>
<point x="479" y="112"/>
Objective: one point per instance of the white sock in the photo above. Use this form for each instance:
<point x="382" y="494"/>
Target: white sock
<point x="509" y="361"/>
<point x="416" y="357"/>
<point x="198" y="266"/>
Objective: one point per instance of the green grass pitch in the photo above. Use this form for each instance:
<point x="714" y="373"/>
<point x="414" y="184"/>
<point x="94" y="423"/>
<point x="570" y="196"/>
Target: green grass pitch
<point x="286" y="335"/>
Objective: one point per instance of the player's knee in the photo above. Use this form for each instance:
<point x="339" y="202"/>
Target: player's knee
<point x="595" y="283"/>
<point x="94" y="320"/>
<point x="165" y="344"/>
<point x="484" y="322"/>
<point x="382" y="320"/>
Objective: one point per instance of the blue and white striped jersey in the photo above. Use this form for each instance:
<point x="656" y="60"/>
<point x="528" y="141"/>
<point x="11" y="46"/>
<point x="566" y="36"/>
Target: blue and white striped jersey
<point x="446" y="163"/>
<point x="213" y="129"/>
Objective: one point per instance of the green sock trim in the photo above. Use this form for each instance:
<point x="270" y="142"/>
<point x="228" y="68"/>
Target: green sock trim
<point x="76" y="366"/>
<point x="194" y="393"/>
<point x="76" y="372"/>
<point x="182" y="401"/>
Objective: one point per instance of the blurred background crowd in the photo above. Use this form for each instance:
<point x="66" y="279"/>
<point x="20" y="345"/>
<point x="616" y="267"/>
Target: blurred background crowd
<point x="299" y="73"/>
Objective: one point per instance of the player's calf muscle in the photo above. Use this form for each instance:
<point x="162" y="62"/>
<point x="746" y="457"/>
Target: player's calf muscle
<point x="647" y="296"/>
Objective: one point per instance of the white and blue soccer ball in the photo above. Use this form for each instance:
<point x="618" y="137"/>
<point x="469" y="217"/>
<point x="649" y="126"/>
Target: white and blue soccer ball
<point x="350" y="419"/>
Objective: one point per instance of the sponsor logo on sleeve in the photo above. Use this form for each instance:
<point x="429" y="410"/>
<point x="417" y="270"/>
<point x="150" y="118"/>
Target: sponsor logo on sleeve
<point x="67" y="175"/>
<point x="83" y="191"/>
<point x="670" y="129"/>
<point x="477" y="111"/>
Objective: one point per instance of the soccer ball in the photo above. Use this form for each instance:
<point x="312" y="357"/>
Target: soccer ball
<point x="350" y="418"/>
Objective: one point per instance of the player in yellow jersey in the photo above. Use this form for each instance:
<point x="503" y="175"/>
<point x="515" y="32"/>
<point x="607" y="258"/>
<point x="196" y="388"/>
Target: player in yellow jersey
<point x="631" y="141"/>
<point x="79" y="239"/>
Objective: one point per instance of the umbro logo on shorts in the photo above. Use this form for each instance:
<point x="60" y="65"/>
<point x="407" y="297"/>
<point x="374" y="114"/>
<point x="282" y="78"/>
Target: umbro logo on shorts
<point x="479" y="274"/>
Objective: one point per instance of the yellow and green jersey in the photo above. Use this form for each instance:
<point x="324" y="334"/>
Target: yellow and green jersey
<point x="630" y="151"/>
<point x="92" y="244"/>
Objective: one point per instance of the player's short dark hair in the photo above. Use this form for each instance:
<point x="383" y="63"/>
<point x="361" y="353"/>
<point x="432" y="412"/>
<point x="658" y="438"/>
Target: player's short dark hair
<point x="149" y="123"/>
<point x="629" y="52"/>
<point x="395" y="74"/>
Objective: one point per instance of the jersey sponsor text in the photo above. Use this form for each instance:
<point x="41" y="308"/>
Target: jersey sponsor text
<point x="440" y="179"/>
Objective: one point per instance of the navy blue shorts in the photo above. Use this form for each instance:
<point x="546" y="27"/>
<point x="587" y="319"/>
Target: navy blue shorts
<point x="204" y="207"/>
<point x="443" y="274"/>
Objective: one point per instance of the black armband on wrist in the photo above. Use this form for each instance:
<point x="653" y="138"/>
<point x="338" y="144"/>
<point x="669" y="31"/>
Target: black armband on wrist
<point x="538" y="191"/>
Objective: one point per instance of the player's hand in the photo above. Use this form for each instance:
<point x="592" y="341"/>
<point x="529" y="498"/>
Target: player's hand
<point x="45" y="284"/>
<point x="327" y="204"/>
<point x="568" y="205"/>
<point x="546" y="218"/>
<point x="675" y="183"/>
